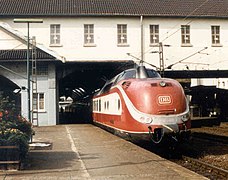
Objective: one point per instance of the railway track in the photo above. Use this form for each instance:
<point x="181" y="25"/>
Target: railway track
<point x="210" y="137"/>
<point x="206" y="153"/>
<point x="190" y="158"/>
<point x="205" y="169"/>
<point x="216" y="130"/>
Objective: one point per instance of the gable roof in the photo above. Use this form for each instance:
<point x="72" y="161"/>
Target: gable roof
<point x="21" y="55"/>
<point x="42" y="53"/>
<point x="175" y="8"/>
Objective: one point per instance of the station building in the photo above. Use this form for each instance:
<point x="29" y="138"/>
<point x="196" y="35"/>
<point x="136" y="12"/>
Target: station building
<point x="79" y="39"/>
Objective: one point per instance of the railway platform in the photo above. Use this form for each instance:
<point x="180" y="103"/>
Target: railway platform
<point x="85" y="151"/>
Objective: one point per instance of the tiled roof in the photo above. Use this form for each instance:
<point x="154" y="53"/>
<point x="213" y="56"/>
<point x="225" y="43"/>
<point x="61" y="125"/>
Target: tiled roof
<point x="179" y="8"/>
<point x="21" y="55"/>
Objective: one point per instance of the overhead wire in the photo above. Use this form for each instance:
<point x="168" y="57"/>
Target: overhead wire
<point x="185" y="18"/>
<point x="193" y="54"/>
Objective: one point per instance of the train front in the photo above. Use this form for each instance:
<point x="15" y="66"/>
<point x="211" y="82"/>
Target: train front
<point x="161" y="106"/>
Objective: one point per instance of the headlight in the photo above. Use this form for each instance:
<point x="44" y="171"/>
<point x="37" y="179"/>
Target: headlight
<point x="145" y="120"/>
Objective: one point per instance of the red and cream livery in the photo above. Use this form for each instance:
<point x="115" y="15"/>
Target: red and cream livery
<point x="139" y="104"/>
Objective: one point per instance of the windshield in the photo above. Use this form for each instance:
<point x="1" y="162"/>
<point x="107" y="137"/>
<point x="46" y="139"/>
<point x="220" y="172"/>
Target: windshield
<point x="153" y="74"/>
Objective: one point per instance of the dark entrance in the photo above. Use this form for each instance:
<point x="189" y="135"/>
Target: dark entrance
<point x="8" y="88"/>
<point x="78" y="81"/>
<point x="210" y="101"/>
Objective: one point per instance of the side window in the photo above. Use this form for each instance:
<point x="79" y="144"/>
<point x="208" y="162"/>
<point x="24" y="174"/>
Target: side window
<point x="215" y="35"/>
<point x="185" y="35"/>
<point x="39" y="101"/>
<point x="130" y="74"/>
<point x="42" y="70"/>
<point x="126" y="75"/>
<point x="99" y="105"/>
<point x="154" y="34"/>
<point x="106" y="88"/>
<point x="88" y="34"/>
<point x="121" y="34"/>
<point x="54" y="34"/>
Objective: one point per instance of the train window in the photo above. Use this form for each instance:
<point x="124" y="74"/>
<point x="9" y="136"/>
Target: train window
<point x="153" y="74"/>
<point x="128" y="74"/>
<point x="118" y="104"/>
<point x="106" y="88"/>
<point x="95" y="105"/>
<point x="108" y="105"/>
<point x="118" y="78"/>
<point x="99" y="105"/>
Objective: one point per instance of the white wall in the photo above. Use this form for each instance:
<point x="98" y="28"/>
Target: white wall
<point x="45" y="85"/>
<point x="72" y="30"/>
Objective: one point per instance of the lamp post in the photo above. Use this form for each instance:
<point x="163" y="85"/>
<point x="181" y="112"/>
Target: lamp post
<point x="28" y="21"/>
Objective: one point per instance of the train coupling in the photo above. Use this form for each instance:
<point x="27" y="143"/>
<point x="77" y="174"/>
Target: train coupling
<point x="156" y="134"/>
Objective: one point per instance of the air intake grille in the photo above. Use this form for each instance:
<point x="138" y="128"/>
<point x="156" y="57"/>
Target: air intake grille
<point x="154" y="84"/>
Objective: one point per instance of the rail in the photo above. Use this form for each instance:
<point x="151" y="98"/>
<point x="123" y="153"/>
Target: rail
<point x="210" y="137"/>
<point x="206" y="169"/>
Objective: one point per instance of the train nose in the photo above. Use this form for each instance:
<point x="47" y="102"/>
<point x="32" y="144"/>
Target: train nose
<point x="157" y="97"/>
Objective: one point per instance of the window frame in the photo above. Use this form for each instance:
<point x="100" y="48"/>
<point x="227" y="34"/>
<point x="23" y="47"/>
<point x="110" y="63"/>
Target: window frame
<point x="215" y="36"/>
<point x="122" y="35"/>
<point x="37" y="97"/>
<point x="55" y="36"/>
<point x="89" y="35"/>
<point x="42" y="70"/>
<point x="186" y="36"/>
<point x="154" y="34"/>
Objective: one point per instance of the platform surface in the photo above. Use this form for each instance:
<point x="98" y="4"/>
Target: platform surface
<point x="85" y="151"/>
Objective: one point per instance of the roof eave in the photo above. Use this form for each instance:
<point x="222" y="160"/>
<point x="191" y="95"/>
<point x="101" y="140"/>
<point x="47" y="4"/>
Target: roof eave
<point x="114" y="15"/>
<point x="25" y="60"/>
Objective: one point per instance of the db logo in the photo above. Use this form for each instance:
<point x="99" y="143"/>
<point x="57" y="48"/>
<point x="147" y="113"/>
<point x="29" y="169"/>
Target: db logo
<point x="164" y="99"/>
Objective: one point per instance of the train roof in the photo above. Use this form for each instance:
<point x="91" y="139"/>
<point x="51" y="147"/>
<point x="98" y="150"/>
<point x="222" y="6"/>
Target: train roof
<point x="133" y="73"/>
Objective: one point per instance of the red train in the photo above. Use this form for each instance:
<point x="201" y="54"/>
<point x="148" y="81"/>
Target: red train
<point x="140" y="105"/>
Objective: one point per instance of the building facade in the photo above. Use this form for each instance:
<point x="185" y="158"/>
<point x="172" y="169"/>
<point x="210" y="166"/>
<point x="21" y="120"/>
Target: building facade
<point x="172" y="35"/>
<point x="13" y="64"/>
<point x="196" y="43"/>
